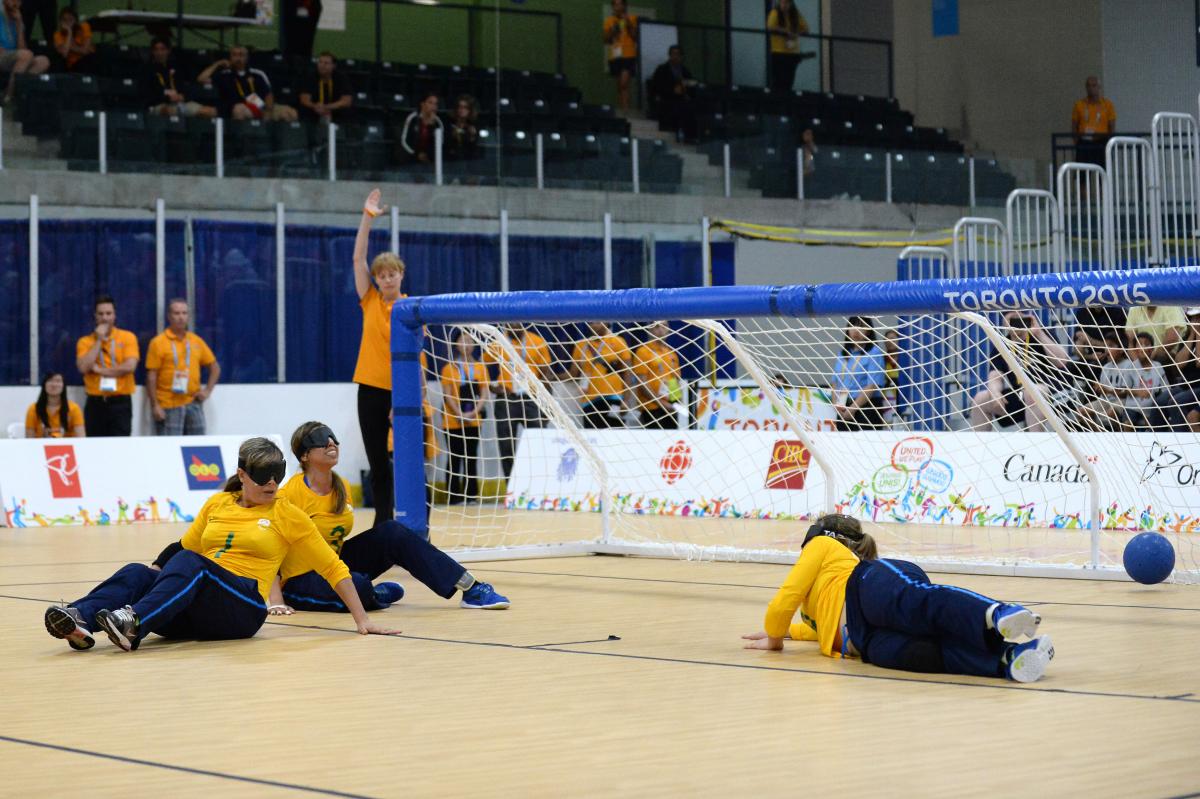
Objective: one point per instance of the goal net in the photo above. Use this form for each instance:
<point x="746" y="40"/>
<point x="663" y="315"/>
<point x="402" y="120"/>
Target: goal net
<point x="1010" y="425"/>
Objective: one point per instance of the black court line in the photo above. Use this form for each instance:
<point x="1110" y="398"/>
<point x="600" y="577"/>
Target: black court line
<point x="185" y="769"/>
<point x="775" y="587"/>
<point x="1185" y="698"/>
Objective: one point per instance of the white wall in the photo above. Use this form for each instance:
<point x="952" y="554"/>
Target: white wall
<point x="246" y="410"/>
<point x="1149" y="59"/>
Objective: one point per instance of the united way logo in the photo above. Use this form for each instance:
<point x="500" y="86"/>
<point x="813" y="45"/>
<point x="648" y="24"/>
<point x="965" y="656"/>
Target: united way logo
<point x="203" y="468"/>
<point x="63" y="470"/>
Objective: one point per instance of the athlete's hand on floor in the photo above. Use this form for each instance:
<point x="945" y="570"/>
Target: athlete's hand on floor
<point x="280" y="610"/>
<point x="375" y="629"/>
<point x="761" y="640"/>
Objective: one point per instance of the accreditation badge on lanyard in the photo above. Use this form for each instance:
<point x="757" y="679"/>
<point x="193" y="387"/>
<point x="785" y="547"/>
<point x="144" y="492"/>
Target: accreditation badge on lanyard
<point x="179" y="384"/>
<point x="108" y="383"/>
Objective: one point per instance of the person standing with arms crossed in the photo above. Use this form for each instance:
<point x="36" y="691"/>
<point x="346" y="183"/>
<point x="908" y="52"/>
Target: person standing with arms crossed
<point x="173" y="362"/>
<point x="106" y="358"/>
<point x="378" y="289"/>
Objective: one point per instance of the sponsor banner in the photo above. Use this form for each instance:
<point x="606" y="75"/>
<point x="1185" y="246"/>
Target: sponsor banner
<point x="1147" y="481"/>
<point x="742" y="407"/>
<point x="103" y="481"/>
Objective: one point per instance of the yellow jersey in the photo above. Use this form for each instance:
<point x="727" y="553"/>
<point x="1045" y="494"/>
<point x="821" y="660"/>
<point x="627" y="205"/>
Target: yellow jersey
<point x="253" y="542"/>
<point x="816" y="587"/>
<point x="334" y="524"/>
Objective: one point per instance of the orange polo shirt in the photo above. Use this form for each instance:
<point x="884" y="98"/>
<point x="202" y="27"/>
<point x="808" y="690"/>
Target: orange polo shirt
<point x="374" y="367"/>
<point x="1095" y="118"/>
<point x="168" y="354"/>
<point x="120" y="345"/>
<point x="57" y="428"/>
<point x="454" y="375"/>
<point x="602" y="360"/>
<point x="656" y="364"/>
<point x="625" y="45"/>
<point x="533" y="350"/>
<point x="83" y="35"/>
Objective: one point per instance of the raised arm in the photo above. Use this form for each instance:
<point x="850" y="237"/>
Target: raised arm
<point x="207" y="75"/>
<point x="362" y="272"/>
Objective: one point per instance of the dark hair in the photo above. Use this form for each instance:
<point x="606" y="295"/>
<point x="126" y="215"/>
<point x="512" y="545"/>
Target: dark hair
<point x="674" y="47"/>
<point x="792" y="18"/>
<point x="470" y="101"/>
<point x="44" y="399"/>
<point x="426" y="95"/>
<point x="858" y="321"/>
<point x="1145" y="339"/>
<point x="163" y="40"/>
<point x="68" y="10"/>
<point x="327" y="53"/>
<point x="253" y="452"/>
<point x="847" y="531"/>
<point x="103" y="298"/>
<point x="339" y="488"/>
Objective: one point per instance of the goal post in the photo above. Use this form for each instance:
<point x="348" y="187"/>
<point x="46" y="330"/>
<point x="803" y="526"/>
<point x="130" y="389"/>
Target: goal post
<point x="1054" y="487"/>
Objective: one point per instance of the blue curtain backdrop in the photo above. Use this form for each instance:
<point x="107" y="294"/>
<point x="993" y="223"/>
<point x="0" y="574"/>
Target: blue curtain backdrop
<point x="80" y="259"/>
<point x="235" y="299"/>
<point x="678" y="264"/>
<point x="14" y="302"/>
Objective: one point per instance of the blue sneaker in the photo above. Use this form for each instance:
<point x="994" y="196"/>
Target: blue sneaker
<point x="388" y="593"/>
<point x="483" y="596"/>
<point x="1027" y="662"/>
<point x="1014" y="622"/>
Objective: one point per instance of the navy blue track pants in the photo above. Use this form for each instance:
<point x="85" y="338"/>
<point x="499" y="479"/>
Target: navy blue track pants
<point x="369" y="555"/>
<point x="898" y="619"/>
<point x="192" y="597"/>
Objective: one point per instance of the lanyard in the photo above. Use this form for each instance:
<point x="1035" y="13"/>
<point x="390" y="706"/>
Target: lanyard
<point x="321" y="90"/>
<point x="237" y="82"/>
<point x="171" y="75"/>
<point x="462" y="374"/>
<point x="112" y="348"/>
<point x="187" y="363"/>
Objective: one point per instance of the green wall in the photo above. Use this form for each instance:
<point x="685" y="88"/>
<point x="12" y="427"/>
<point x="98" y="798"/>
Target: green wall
<point x="440" y="35"/>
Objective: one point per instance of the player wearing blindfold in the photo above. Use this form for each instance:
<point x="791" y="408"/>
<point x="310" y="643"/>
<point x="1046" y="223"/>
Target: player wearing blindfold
<point x="217" y="585"/>
<point x="855" y="604"/>
<point x="322" y="494"/>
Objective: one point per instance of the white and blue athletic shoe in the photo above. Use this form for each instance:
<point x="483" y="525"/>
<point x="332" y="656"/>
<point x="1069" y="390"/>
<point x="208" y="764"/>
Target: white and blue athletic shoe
<point x="482" y="596"/>
<point x="1027" y="662"/>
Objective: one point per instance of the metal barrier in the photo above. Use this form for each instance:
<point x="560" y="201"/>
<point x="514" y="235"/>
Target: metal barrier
<point x="1173" y="138"/>
<point x="1134" y="240"/>
<point x="1083" y="217"/>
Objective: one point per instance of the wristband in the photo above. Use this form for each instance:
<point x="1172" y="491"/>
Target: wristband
<point x="371" y="213"/>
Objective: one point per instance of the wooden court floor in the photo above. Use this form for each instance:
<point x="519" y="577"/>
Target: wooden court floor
<point x="609" y="676"/>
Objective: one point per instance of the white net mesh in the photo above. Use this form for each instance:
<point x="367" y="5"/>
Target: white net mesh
<point x="707" y="439"/>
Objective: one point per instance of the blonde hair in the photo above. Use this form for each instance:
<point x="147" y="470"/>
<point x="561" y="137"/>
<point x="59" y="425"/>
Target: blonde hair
<point x="254" y="452"/>
<point x="385" y="261"/>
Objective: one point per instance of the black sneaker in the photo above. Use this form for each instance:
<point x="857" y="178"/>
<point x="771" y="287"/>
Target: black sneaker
<point x="67" y="622"/>
<point x="121" y="625"/>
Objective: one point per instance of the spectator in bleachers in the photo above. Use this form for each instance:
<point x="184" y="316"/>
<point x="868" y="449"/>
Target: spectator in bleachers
<point x="1183" y="412"/>
<point x="39" y="11"/>
<point x="620" y="39"/>
<point x="859" y="378"/>
<point x="418" y="138"/>
<point x="513" y="407"/>
<point x="656" y="366"/>
<point x="1100" y="320"/>
<point x="809" y="145"/>
<point x="1165" y="324"/>
<point x="299" y="20"/>
<point x="53" y="415"/>
<point x="73" y="48"/>
<point x="15" y="56"/>
<point x="1003" y="400"/>
<point x="601" y="364"/>
<point x="462" y="138"/>
<point x="164" y="87"/>
<point x="785" y="23"/>
<point x="327" y="93"/>
<point x="1093" y="120"/>
<point x="464" y="395"/>
<point x="106" y="358"/>
<point x="671" y="85"/>
<point x="245" y="92"/>
<point x="1141" y="380"/>
<point x="173" y="362"/>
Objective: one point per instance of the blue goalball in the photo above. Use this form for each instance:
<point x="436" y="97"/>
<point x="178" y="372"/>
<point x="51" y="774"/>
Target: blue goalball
<point x="1149" y="558"/>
